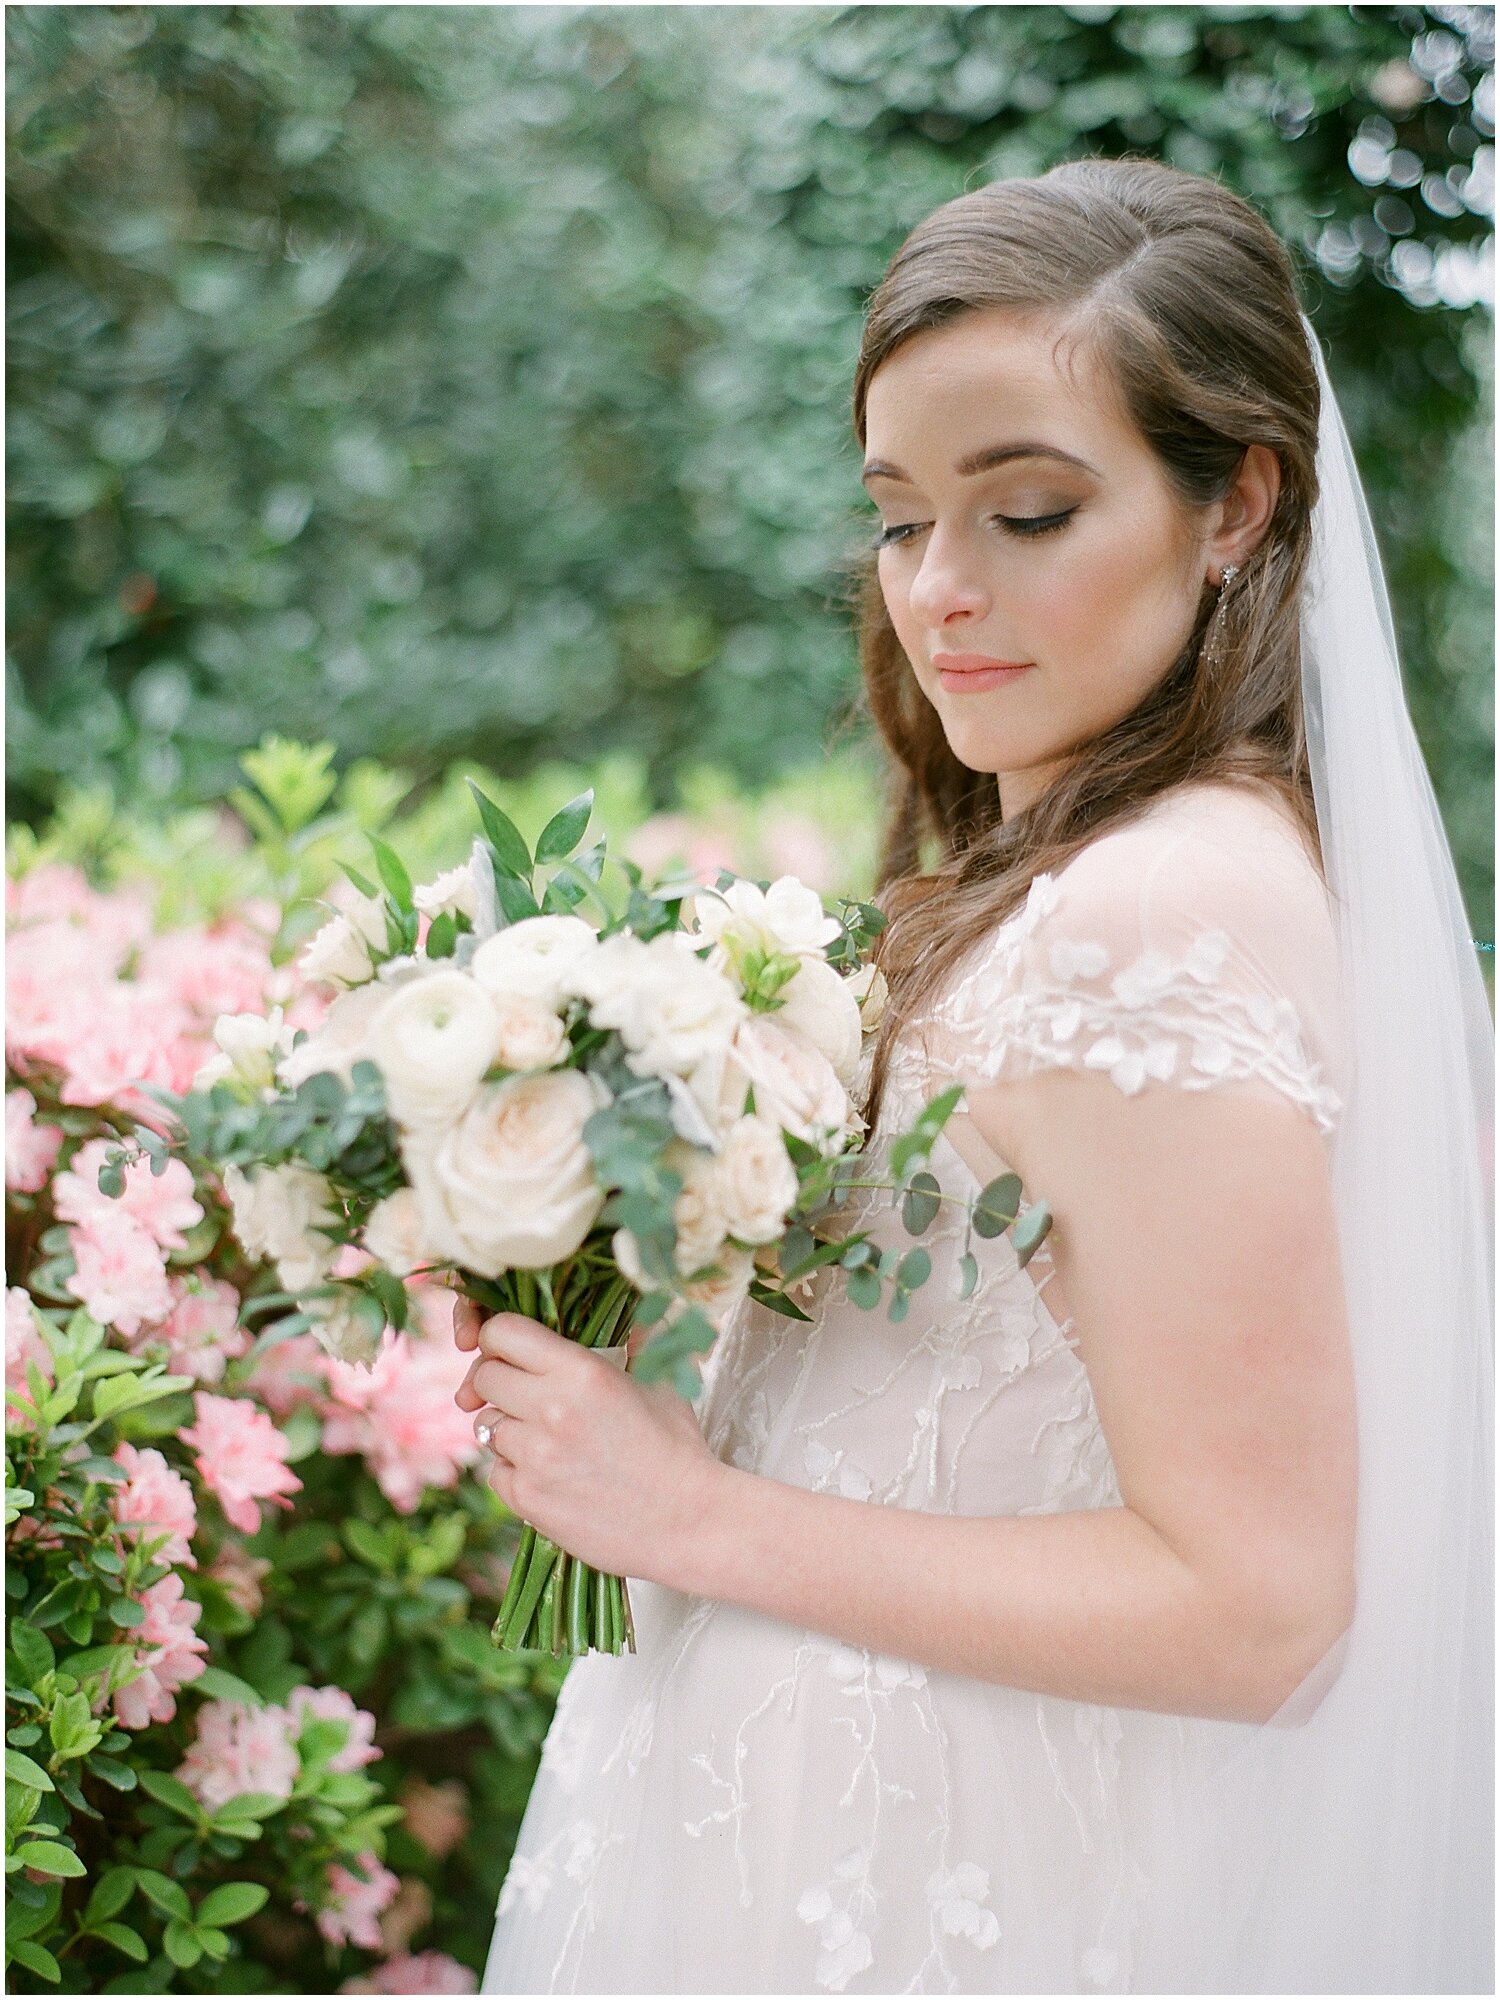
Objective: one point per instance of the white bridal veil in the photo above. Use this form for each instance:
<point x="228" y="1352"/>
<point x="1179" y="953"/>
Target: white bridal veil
<point x="1347" y="1846"/>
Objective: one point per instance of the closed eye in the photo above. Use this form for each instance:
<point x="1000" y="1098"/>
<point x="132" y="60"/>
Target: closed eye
<point x="1028" y="526"/>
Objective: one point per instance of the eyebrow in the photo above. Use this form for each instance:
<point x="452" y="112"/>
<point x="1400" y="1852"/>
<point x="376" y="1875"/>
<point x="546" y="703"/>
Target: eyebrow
<point x="984" y="460"/>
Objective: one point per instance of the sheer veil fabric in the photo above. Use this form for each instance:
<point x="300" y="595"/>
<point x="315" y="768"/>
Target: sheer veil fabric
<point x="1347" y="1845"/>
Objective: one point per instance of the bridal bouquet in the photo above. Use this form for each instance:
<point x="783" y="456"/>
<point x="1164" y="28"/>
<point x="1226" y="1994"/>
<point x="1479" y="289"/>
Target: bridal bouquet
<point x="599" y="1103"/>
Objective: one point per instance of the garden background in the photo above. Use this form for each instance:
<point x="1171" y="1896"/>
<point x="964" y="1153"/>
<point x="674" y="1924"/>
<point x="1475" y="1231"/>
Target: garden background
<point x="463" y="392"/>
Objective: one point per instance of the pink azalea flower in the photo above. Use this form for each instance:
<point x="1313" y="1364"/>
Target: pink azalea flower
<point x="49" y="968"/>
<point x="24" y="1343"/>
<point x="415" y="1972"/>
<point x="120" y="1276"/>
<point x="239" y="1576"/>
<point x="162" y="1204"/>
<point x="401" y="1416"/>
<point x="30" y="1149"/>
<point x="173" y="1655"/>
<point x="351" y="1913"/>
<point x="210" y="972"/>
<point x="240" y="1749"/>
<point x="51" y="890"/>
<point x="112" y="1039"/>
<point x="202" y="1331"/>
<point x="332" y="1704"/>
<point x="154" y="1498"/>
<point x="291" y="1375"/>
<point x="437" y="1816"/>
<point x="241" y="1457"/>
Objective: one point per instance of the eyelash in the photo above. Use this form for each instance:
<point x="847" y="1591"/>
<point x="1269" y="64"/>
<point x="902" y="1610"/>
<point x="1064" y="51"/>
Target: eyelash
<point x="1027" y="526"/>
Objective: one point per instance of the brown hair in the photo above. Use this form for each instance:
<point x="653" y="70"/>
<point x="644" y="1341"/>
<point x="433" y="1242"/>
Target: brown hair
<point x="1190" y="301"/>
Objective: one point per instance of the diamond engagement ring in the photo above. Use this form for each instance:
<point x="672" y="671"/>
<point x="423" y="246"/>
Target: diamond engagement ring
<point x="484" y="1430"/>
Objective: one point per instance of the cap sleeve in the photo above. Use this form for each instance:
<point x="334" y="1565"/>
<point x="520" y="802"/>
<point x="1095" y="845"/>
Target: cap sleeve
<point x="1193" y="950"/>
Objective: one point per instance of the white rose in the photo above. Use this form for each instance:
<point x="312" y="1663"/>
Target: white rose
<point x="673" y="1012"/>
<point x="530" y="959"/>
<point x="511" y="1186"/>
<point x="531" y="1035"/>
<point x="277" y="1214"/>
<point x="248" y="1045"/>
<point x="795" y="1086"/>
<point x="341" y="1038"/>
<point x="719" y="1296"/>
<point x="453" y="894"/>
<point x="394" y="1234"/>
<point x="818" y="1005"/>
<point x="871" y="992"/>
<point x="433" y="1040"/>
<point x="788" y="917"/>
<point x="697" y="1212"/>
<point x="757" y="1183"/>
<point x="344" y="951"/>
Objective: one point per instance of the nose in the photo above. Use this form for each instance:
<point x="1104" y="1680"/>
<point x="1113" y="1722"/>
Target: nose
<point x="946" y="588"/>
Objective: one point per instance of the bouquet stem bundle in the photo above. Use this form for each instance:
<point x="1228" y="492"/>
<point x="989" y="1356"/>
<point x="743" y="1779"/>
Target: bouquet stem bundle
<point x="553" y="1602"/>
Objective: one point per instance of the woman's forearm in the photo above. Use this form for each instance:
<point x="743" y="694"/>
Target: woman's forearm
<point x="1091" y="1605"/>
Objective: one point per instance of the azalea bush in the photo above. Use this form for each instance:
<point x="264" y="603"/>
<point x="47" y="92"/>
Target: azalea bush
<point x="253" y="1709"/>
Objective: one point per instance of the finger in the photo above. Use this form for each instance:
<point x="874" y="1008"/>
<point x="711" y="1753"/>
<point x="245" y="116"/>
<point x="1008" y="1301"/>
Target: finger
<point x="507" y="1387"/>
<point x="466" y="1318"/>
<point x="525" y="1342"/>
<point x="466" y="1395"/>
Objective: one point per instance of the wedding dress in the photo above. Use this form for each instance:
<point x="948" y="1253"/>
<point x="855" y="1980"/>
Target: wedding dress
<point x="745" y="1806"/>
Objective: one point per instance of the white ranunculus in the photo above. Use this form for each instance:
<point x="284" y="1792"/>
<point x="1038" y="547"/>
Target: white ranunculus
<point x="531" y="959"/>
<point x="395" y="1234"/>
<point x="344" y="951"/>
<point x="451" y="894"/>
<point x="871" y="992"/>
<point x="433" y="1040"/>
<point x="511" y="1186"/>
<point x="277" y="1214"/>
<point x="795" y="1085"/>
<point x="817" y="1004"/>
<point x="788" y="917"/>
<point x="671" y="1010"/>
<point x="532" y="1035"/>
<point x="341" y="1038"/>
<point x="757" y="1183"/>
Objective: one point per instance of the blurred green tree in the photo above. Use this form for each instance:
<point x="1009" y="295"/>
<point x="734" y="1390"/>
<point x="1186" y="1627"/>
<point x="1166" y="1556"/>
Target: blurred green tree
<point x="473" y="381"/>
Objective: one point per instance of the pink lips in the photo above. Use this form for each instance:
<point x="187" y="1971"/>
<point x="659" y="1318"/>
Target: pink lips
<point x="971" y="673"/>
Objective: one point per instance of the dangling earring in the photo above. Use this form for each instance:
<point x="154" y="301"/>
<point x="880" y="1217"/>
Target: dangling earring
<point x="1213" y="637"/>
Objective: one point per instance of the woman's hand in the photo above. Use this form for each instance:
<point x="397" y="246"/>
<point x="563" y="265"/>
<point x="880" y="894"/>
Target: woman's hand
<point x="615" y="1471"/>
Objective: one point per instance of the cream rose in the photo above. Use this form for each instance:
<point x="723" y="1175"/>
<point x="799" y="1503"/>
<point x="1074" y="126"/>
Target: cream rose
<point x="433" y="1040"/>
<point x="531" y="1034"/>
<point x="697" y="1211"/>
<point x="757" y="1183"/>
<point x="718" y="1296"/>
<point x="343" y="952"/>
<point x="818" y="1005"/>
<point x="795" y="1086"/>
<point x="248" y="1046"/>
<point x="277" y="1214"/>
<point x="395" y="1234"/>
<point x="531" y="959"/>
<point x="511" y="1186"/>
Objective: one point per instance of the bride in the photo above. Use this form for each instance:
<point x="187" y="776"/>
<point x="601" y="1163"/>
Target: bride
<point x="1125" y="1626"/>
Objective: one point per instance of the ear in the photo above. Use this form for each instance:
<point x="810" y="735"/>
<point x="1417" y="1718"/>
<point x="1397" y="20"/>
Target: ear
<point x="1247" y="507"/>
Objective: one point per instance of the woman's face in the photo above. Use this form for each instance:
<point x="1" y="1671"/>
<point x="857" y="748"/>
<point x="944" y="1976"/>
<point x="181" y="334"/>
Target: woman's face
<point x="1025" y="520"/>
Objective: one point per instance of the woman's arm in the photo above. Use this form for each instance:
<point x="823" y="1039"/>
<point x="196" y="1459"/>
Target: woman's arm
<point x="1196" y="1241"/>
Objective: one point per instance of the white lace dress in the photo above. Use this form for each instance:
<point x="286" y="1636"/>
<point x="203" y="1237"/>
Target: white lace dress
<point x="746" y="1806"/>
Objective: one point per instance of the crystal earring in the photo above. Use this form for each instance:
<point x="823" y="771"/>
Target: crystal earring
<point x="1213" y="638"/>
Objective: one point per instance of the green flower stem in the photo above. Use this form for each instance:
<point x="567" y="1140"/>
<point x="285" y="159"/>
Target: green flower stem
<point x="517" y="1578"/>
<point x="543" y="1555"/>
<point x="629" y="1633"/>
<point x="558" y="1586"/>
<point x="601" y="1610"/>
<point x="579" y="1578"/>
